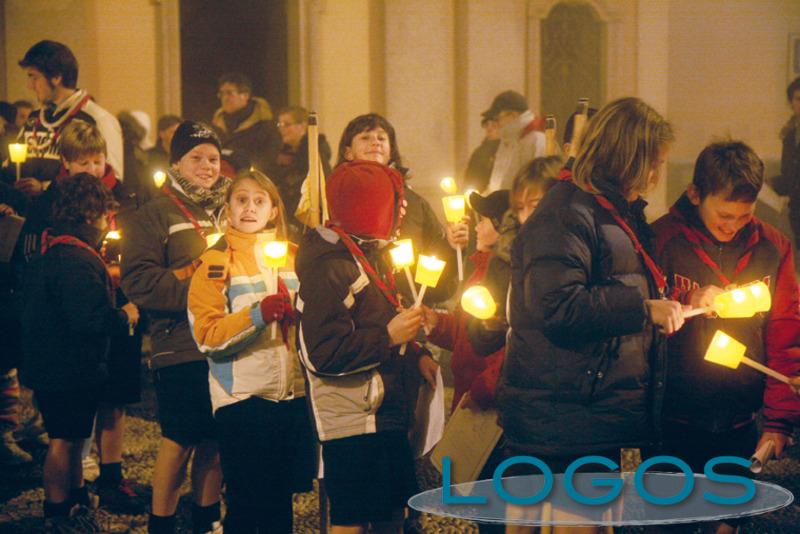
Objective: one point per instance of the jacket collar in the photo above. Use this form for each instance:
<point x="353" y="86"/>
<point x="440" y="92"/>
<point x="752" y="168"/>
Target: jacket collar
<point x="511" y="131"/>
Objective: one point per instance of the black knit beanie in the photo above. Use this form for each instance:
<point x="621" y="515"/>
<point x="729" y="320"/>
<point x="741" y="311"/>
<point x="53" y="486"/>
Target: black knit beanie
<point x="190" y="134"/>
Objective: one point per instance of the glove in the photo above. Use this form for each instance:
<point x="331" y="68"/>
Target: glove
<point x="288" y="310"/>
<point x="273" y="307"/>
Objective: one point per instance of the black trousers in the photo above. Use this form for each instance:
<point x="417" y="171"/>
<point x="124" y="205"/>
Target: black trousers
<point x="265" y="448"/>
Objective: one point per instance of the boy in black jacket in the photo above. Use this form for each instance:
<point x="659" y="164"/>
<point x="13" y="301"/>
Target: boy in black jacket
<point x="67" y="321"/>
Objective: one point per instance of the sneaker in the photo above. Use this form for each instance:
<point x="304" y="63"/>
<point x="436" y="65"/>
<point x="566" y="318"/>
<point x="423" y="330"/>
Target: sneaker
<point x="10" y="452"/>
<point x="91" y="470"/>
<point x="121" y="498"/>
<point x="81" y="520"/>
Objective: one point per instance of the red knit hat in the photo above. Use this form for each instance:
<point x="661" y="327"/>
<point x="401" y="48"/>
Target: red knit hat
<point x="364" y="198"/>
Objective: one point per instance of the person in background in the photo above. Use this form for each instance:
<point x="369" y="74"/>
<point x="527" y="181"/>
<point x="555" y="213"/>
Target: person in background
<point x="245" y="123"/>
<point x="291" y="166"/>
<point x="372" y="138"/>
<point x="52" y="72"/>
<point x="788" y="183"/>
<point x="158" y="156"/>
<point x="138" y="184"/>
<point x="520" y="141"/>
<point x="709" y="241"/>
<point x="24" y="109"/>
<point x="8" y="128"/>
<point x="68" y="316"/>
<point x="164" y="238"/>
<point x="481" y="161"/>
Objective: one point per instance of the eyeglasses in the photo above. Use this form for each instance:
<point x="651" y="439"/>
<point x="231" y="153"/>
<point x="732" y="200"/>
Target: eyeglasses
<point x="285" y="124"/>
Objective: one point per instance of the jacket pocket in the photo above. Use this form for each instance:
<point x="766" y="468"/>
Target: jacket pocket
<point x="594" y="376"/>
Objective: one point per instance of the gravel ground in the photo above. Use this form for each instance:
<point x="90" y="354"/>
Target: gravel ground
<point x="21" y="493"/>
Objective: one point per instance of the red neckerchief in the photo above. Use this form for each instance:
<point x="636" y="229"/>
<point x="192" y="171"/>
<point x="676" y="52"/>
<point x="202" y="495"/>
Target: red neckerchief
<point x="50" y="242"/>
<point x="532" y="126"/>
<point x="658" y="276"/>
<point x="167" y="190"/>
<point x="696" y="238"/>
<point x="74" y="111"/>
<point x="390" y="291"/>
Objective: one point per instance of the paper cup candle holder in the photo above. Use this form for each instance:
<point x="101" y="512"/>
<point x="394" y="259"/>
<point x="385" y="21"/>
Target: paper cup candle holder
<point x="478" y="302"/>
<point x="403" y="258"/>
<point x="18" y="153"/>
<point x="743" y="301"/>
<point x="726" y="351"/>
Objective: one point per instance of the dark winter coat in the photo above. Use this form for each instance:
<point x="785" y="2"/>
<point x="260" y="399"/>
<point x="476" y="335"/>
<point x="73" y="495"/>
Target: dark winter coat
<point x="68" y="316"/>
<point x="159" y="253"/>
<point x="358" y="383"/>
<point x="583" y="372"/>
<point x="710" y="396"/>
<point x="254" y="135"/>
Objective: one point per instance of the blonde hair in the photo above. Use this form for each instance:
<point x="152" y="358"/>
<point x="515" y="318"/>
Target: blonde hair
<point x="621" y="145"/>
<point x="79" y="138"/>
<point x="541" y="172"/>
<point x="263" y="181"/>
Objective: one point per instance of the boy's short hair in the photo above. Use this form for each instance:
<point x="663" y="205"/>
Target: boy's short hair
<point x="794" y="86"/>
<point x="299" y="114"/>
<point x="725" y="165"/>
<point x="241" y="81"/>
<point x="82" y="198"/>
<point x="79" y="138"/>
<point x="53" y="59"/>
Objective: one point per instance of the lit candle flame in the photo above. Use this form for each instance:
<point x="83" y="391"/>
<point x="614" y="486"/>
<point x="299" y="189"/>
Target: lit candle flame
<point x="454" y="208"/>
<point x="275" y="253"/>
<point x="159" y="177"/>
<point x="448" y="185"/>
<point x="17" y="152"/>
<point x="478" y="302"/>
<point x="429" y="269"/>
<point x="113" y="235"/>
<point x="402" y="253"/>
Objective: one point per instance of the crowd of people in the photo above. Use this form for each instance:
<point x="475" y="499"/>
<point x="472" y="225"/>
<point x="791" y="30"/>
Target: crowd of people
<point x="257" y="368"/>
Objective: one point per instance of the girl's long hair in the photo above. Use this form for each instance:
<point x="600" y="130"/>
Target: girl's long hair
<point x="279" y="222"/>
<point x="621" y="146"/>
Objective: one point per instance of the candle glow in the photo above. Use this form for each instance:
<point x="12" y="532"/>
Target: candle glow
<point x="17" y="152"/>
<point x="429" y="269"/>
<point x="275" y="254"/>
<point x="113" y="235"/>
<point x="402" y="253"/>
<point x="211" y="239"/>
<point x="454" y="208"/>
<point x="448" y="185"/>
<point x="478" y="302"/>
<point x="159" y="177"/>
<point x="724" y="350"/>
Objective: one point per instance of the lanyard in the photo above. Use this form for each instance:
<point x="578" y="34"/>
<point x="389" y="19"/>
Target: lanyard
<point x="57" y="128"/>
<point x="181" y="206"/>
<point x="694" y="238"/>
<point x="658" y="276"/>
<point x="358" y="254"/>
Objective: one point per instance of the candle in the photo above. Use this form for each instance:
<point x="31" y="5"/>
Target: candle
<point x="454" y="208"/>
<point x="275" y="255"/>
<point x="429" y="269"/>
<point x="724" y="350"/>
<point x="402" y="258"/>
<point x="211" y="239"/>
<point x="743" y="301"/>
<point x="159" y="177"/>
<point x="448" y="185"/>
<point x="18" y="152"/>
<point x="113" y="235"/>
<point x="478" y="302"/>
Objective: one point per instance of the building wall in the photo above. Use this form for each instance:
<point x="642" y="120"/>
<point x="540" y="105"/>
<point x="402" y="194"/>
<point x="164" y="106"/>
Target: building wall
<point x="114" y="41"/>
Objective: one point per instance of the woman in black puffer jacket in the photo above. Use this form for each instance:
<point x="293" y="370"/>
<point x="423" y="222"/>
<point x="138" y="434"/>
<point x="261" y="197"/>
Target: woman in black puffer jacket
<point x="584" y="367"/>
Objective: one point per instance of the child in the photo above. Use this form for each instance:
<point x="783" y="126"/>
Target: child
<point x="710" y="240"/>
<point x="256" y="383"/>
<point x="362" y="390"/>
<point x="68" y="319"/>
<point x="83" y="149"/>
<point x="372" y="138"/>
<point x="162" y="241"/>
<point x="584" y="300"/>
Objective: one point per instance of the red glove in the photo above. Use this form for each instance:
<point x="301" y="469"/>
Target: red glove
<point x="288" y="310"/>
<point x="273" y="307"/>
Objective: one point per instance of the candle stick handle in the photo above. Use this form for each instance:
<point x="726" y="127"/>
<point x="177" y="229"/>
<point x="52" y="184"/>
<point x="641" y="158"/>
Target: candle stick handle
<point x="697" y="311"/>
<point x="460" y="265"/>
<point x="417" y="304"/>
<point x="411" y="283"/>
<point x="274" y="332"/>
<point x="19" y="172"/>
<point x="766" y="370"/>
